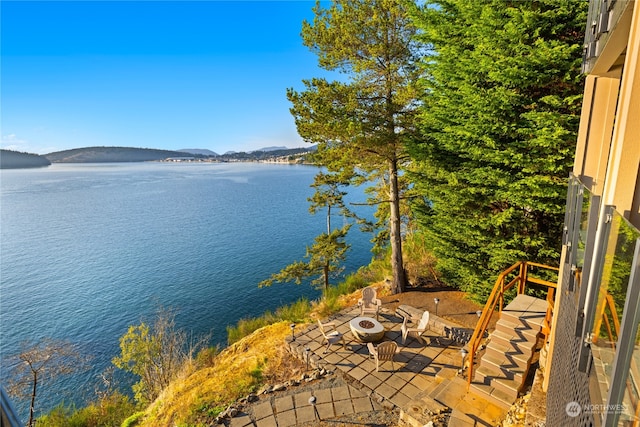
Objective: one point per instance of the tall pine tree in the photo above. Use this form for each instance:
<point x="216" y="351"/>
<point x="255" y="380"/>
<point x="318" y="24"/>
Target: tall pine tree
<point x="361" y="123"/>
<point x="499" y="121"/>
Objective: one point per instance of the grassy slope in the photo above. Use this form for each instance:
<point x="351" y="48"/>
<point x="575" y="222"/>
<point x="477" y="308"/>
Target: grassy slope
<point x="237" y="371"/>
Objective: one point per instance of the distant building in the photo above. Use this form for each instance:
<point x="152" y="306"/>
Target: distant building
<point x="180" y="159"/>
<point x="592" y="374"/>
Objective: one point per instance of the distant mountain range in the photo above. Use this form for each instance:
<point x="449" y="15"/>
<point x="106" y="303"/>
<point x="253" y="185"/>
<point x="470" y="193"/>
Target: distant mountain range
<point x="13" y="159"/>
<point x="275" y="148"/>
<point x="199" y="151"/>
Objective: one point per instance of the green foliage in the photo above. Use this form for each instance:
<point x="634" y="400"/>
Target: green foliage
<point x="133" y="420"/>
<point x="156" y="354"/>
<point x="247" y="326"/>
<point x="361" y="123"/>
<point x="296" y="312"/>
<point x="618" y="261"/>
<point x="499" y="118"/>
<point x="206" y="410"/>
<point x="419" y="260"/>
<point x="328" y="252"/>
<point x="325" y="258"/>
<point x="352" y="283"/>
<point x="109" y="411"/>
<point x="330" y="303"/>
<point x="207" y="356"/>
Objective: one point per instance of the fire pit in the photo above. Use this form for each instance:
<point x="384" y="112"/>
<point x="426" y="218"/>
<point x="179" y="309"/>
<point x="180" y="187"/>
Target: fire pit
<point x="366" y="329"/>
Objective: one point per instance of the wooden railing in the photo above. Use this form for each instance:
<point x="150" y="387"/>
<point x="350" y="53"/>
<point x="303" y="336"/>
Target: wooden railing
<point x="611" y="305"/>
<point x="518" y="275"/>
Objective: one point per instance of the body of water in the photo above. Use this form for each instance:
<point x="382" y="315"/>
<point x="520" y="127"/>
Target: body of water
<point x="89" y="249"/>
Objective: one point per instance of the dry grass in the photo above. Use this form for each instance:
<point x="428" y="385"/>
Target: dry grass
<point x="198" y="397"/>
<point x="239" y="369"/>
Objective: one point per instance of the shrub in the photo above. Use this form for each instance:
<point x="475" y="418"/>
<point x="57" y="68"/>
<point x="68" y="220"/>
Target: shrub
<point x="245" y="327"/>
<point x="109" y="411"/>
<point x="419" y="262"/>
<point x="133" y="420"/>
<point x="295" y="312"/>
<point x="206" y="357"/>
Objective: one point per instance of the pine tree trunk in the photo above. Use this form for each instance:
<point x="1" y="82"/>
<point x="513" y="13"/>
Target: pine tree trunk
<point x="325" y="273"/>
<point x="399" y="279"/>
<point x="325" y="270"/>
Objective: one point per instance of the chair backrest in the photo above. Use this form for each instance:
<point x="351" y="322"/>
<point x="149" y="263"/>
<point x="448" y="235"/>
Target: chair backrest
<point x="424" y="321"/>
<point x="321" y="328"/>
<point x="386" y="350"/>
<point x="368" y="296"/>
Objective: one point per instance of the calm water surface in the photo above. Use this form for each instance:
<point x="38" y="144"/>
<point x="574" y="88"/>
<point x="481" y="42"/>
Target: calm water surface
<point x="89" y="249"/>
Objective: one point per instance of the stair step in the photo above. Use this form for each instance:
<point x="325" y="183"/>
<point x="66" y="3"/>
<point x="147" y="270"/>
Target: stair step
<point x="524" y="302"/>
<point x="509" y="387"/>
<point x="517" y="331"/>
<point x="526" y="310"/>
<point x="459" y="418"/>
<point x="495" y="351"/>
<point x="507" y="358"/>
<point x="502" y="368"/>
<point x="490" y="393"/>
<point x="511" y="343"/>
<point x="533" y="320"/>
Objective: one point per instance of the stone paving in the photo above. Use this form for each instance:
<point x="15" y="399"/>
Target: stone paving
<point x="423" y="380"/>
<point x="297" y="409"/>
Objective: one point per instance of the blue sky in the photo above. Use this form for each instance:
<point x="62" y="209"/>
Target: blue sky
<point x="170" y="75"/>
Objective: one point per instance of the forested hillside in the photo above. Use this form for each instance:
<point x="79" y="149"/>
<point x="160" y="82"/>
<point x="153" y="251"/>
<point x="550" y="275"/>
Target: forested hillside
<point x="17" y="160"/>
<point x="111" y="154"/>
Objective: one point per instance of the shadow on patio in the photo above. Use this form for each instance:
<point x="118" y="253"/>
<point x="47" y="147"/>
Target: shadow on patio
<point x="426" y="379"/>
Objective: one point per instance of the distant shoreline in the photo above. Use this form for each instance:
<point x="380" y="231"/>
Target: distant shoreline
<point x="15" y="160"/>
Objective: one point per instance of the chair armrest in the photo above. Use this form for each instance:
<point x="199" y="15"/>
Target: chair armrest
<point x="372" y="349"/>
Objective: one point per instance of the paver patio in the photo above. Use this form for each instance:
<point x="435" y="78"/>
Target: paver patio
<point x="425" y="379"/>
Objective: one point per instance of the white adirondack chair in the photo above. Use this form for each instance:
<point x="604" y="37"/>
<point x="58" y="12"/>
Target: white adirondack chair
<point x="369" y="303"/>
<point x="331" y="337"/>
<point x="384" y="352"/>
<point x="422" y="327"/>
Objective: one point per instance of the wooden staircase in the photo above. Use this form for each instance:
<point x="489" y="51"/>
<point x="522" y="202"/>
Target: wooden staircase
<point x="505" y="363"/>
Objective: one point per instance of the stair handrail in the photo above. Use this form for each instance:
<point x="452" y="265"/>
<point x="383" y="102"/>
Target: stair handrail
<point x="497" y="297"/>
<point x="611" y="305"/>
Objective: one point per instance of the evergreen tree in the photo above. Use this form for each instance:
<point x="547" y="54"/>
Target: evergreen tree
<point x="500" y="117"/>
<point x="328" y="252"/>
<point x="361" y="123"/>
